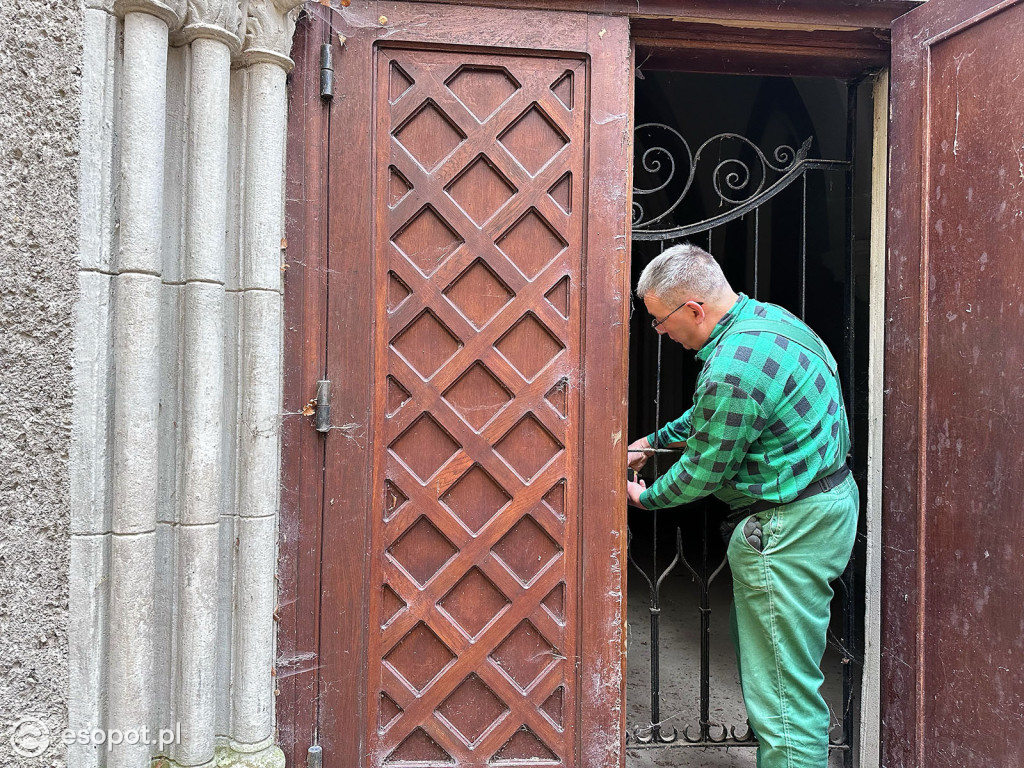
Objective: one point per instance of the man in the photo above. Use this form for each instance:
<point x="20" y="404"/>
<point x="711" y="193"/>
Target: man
<point x="768" y="435"/>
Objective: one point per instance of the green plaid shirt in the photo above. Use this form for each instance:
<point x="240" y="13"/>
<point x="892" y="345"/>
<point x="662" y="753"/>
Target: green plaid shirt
<point x="767" y="418"/>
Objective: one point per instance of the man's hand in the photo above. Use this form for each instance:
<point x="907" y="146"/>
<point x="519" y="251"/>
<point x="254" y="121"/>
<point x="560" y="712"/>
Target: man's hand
<point x="637" y="453"/>
<point x="633" y="491"/>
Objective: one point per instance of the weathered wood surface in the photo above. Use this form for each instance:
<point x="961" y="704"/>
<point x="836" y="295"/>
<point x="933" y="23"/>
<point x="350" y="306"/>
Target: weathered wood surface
<point x="300" y="535"/>
<point x="952" y="578"/>
<point x="478" y="389"/>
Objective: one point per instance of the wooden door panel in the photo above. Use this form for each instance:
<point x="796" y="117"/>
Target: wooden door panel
<point x="953" y="467"/>
<point x="485" y="245"/>
<point x="476" y="551"/>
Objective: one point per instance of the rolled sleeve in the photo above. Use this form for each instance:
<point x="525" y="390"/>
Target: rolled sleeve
<point x="675" y="431"/>
<point x="723" y="423"/>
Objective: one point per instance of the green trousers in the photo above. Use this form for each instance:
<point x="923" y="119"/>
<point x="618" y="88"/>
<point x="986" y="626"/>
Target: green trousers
<point x="780" y="617"/>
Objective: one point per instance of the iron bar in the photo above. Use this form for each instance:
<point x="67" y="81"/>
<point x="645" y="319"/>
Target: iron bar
<point x="803" y="250"/>
<point x="705" y="637"/>
<point x="847" y="579"/>
<point x="757" y="250"/>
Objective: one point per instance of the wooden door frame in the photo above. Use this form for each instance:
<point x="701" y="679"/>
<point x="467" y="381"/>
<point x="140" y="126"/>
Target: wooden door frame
<point x="836" y="38"/>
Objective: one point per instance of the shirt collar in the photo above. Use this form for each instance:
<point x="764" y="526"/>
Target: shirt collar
<point x="716" y="333"/>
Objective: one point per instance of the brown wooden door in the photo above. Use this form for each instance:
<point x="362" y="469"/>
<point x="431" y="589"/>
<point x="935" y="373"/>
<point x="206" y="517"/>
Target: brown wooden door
<point x="474" y="505"/>
<point x="953" y="568"/>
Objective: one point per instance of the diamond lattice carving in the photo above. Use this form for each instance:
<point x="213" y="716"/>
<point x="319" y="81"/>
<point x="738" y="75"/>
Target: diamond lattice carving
<point x="426" y="344"/>
<point x="528" y="447"/>
<point x="526" y="746"/>
<point x="529" y="346"/>
<point x="524" y="655"/>
<point x="478" y="293"/>
<point x="562" y="88"/>
<point x="552" y="706"/>
<point x="531" y="243"/>
<point x="427" y="240"/>
<point x="391" y="605"/>
<point x="399" y="82"/>
<point x="555" y="499"/>
<point x="422" y="551"/>
<point x="561" y="192"/>
<point x="397" y="395"/>
<point x="477" y="396"/>
<point x="472" y="709"/>
<point x="558" y="397"/>
<point x="398" y="292"/>
<point x="459" y="668"/>
<point x="558" y="297"/>
<point x="533" y="140"/>
<point x="398" y="187"/>
<point x="526" y="550"/>
<point x="419" y="657"/>
<point x="393" y="499"/>
<point x="554" y="603"/>
<point x="481" y="190"/>
<point x="475" y="498"/>
<point x="474" y="602"/>
<point x="429" y="136"/>
<point x="424" y="447"/>
<point x="482" y="89"/>
<point x="389" y="711"/>
<point x="418" y="749"/>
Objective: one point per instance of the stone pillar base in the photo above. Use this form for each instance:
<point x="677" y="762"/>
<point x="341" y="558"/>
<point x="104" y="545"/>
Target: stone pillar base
<point x="235" y="756"/>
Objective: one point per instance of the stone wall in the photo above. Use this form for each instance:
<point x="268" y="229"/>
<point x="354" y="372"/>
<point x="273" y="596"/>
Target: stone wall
<point x="40" y="74"/>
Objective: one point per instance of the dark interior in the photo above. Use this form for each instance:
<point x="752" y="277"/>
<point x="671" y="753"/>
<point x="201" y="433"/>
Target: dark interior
<point x="806" y="249"/>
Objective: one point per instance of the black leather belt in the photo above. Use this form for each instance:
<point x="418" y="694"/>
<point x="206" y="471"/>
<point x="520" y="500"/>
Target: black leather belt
<point x="818" y="486"/>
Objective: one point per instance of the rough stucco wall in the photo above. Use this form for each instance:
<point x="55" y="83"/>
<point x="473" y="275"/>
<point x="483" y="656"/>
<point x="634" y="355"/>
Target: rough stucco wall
<point x="40" y="68"/>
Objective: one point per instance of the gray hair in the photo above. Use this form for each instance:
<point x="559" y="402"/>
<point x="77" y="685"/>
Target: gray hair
<point x="682" y="273"/>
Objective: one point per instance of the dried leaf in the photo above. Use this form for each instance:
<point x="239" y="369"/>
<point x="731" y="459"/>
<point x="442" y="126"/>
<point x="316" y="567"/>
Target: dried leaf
<point x="309" y="408"/>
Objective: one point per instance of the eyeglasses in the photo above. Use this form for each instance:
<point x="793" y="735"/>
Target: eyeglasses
<point x="655" y="322"/>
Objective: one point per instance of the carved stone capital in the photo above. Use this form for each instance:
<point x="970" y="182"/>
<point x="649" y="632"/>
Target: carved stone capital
<point x="269" y="27"/>
<point x="170" y="11"/>
<point x="222" y="20"/>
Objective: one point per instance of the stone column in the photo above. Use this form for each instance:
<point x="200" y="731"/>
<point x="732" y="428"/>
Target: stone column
<point x="269" y="28"/>
<point x="136" y="386"/>
<point x="89" y="457"/>
<point x="211" y="32"/>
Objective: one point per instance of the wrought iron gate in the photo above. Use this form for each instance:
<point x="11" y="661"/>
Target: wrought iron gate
<point x="743" y="179"/>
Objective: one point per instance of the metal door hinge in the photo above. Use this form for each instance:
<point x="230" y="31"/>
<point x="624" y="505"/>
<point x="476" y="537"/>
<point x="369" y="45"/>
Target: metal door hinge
<point x="314" y="757"/>
<point x="322" y="414"/>
<point x="326" y="72"/>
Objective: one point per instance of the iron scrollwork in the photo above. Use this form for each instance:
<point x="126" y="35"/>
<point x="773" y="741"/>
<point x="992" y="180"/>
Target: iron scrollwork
<point x="740" y="175"/>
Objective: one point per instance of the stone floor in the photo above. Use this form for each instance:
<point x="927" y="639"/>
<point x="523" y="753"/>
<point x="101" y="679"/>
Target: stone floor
<point x="680" y="673"/>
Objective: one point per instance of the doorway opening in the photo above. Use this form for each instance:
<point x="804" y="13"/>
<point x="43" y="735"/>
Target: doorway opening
<point x="772" y="176"/>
